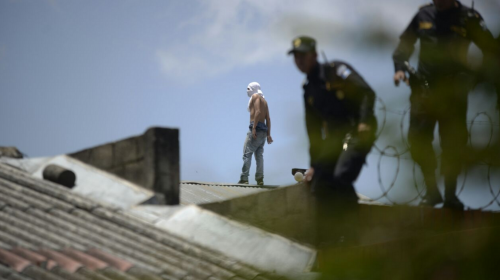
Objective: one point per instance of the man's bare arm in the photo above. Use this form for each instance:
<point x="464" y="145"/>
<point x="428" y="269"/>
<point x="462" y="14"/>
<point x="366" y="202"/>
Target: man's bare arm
<point x="268" y="123"/>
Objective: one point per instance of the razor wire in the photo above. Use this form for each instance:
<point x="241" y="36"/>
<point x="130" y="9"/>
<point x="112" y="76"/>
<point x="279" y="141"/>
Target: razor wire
<point x="391" y="151"/>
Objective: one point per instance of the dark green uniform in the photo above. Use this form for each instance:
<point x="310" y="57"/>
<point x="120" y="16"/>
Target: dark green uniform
<point x="337" y="99"/>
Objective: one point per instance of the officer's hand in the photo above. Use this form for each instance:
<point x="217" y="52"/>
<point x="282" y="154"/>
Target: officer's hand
<point x="401" y="76"/>
<point x="364" y="132"/>
<point x="269" y="139"/>
<point x="254" y="133"/>
<point x="309" y="174"/>
<point x="363" y="127"/>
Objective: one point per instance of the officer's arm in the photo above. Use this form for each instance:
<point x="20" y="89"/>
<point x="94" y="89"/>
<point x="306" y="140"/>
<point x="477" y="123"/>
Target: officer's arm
<point x="406" y="45"/>
<point x="314" y="124"/>
<point x="480" y="35"/>
<point x="362" y="95"/>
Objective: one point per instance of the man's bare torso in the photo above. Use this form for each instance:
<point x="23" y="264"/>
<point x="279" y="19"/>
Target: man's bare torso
<point x="263" y="109"/>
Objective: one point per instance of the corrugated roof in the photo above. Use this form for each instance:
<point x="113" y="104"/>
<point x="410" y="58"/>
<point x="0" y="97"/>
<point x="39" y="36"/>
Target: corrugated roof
<point x="202" y="192"/>
<point x="49" y="232"/>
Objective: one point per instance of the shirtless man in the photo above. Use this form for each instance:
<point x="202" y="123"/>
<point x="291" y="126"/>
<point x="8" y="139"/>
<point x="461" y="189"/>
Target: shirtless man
<point x="256" y="137"/>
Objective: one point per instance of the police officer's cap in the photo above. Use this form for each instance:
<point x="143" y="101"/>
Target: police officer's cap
<point x="303" y="44"/>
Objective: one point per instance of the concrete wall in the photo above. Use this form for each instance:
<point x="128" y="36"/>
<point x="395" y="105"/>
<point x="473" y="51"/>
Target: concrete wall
<point x="124" y="158"/>
<point x="287" y="211"/>
<point x="290" y="212"/>
<point x="150" y="160"/>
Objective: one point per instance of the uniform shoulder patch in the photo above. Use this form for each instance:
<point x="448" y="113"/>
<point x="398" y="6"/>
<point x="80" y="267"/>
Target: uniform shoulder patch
<point x="475" y="18"/>
<point x="471" y="13"/>
<point x="343" y="71"/>
<point x="425" y="25"/>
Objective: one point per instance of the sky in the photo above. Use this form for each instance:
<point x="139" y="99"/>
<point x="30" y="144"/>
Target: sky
<point x="76" y="74"/>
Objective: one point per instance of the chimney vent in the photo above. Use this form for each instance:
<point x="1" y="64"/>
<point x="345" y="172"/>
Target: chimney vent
<point x="59" y="175"/>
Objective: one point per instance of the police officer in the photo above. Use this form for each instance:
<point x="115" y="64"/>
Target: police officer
<point x="445" y="29"/>
<point x="341" y="127"/>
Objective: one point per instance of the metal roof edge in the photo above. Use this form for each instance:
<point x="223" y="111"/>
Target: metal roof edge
<point x="231" y="185"/>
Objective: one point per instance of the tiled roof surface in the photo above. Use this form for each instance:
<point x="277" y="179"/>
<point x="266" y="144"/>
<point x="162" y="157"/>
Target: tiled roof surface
<point x="48" y="232"/>
<point x="201" y="193"/>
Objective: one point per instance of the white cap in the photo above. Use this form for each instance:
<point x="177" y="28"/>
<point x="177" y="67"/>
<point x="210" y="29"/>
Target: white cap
<point x="253" y="88"/>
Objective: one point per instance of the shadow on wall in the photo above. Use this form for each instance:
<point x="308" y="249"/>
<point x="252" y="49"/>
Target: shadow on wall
<point x="287" y="211"/>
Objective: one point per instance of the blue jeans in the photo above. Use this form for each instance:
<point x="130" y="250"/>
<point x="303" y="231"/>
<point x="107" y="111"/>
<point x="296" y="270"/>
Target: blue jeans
<point x="254" y="146"/>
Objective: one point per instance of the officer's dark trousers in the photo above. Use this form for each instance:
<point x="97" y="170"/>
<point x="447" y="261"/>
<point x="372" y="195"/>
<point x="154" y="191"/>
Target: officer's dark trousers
<point x="332" y="187"/>
<point x="445" y="103"/>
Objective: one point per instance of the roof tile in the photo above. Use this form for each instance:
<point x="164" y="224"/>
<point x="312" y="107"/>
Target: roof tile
<point x="62" y="260"/>
<point x="14" y="241"/>
<point x="89" y="261"/>
<point x="21" y="235"/>
<point x="5" y="245"/>
<point x="67" y="275"/>
<point x="116" y="274"/>
<point x="10" y="274"/>
<point x="93" y="275"/>
<point x="10" y="201"/>
<point x="36" y="272"/>
<point x="110" y="259"/>
<point x="18" y="196"/>
<point x="32" y="225"/>
<point x="14" y="261"/>
<point x="71" y="237"/>
<point x="33" y="257"/>
<point x="36" y="195"/>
